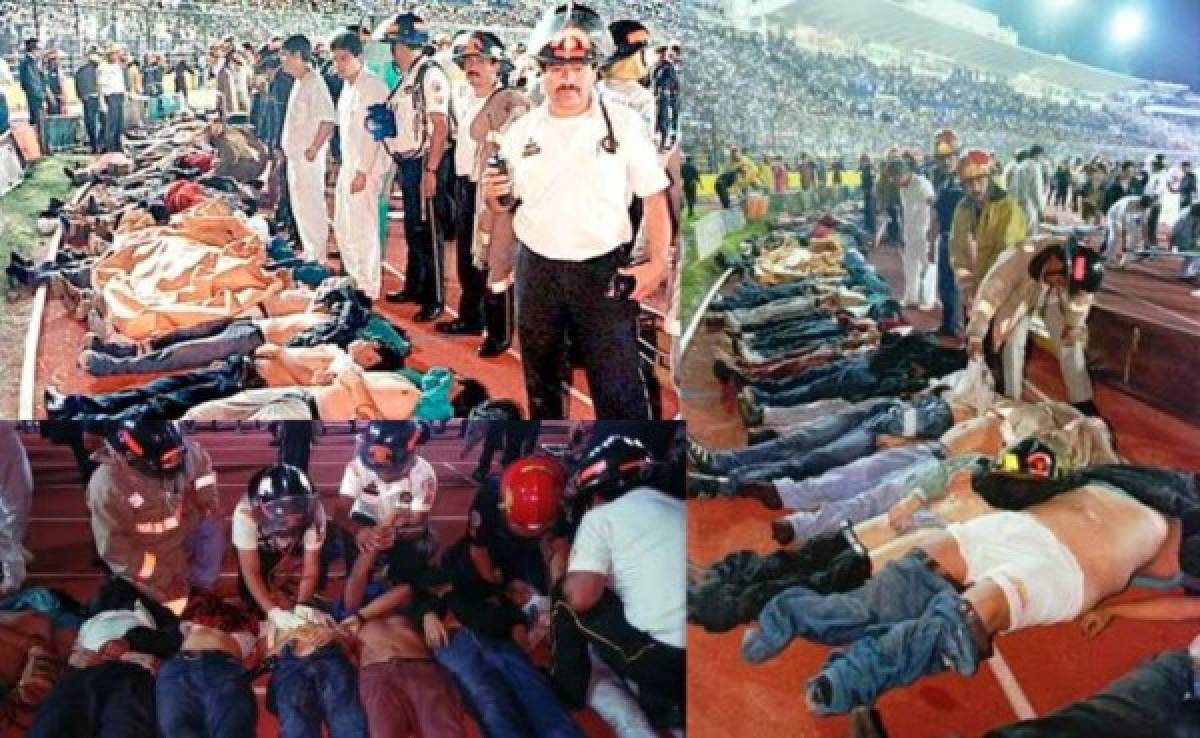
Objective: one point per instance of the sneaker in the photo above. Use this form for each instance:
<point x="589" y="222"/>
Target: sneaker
<point x="700" y="457"/>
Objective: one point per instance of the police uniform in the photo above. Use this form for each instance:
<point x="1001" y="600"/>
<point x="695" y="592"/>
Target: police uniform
<point x="466" y="180"/>
<point x="423" y="277"/>
<point x="573" y="226"/>
<point x="152" y="530"/>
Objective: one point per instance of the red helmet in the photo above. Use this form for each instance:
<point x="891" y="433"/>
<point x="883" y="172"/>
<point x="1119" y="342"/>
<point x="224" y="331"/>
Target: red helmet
<point x="945" y="142"/>
<point x="975" y="163"/>
<point x="531" y="492"/>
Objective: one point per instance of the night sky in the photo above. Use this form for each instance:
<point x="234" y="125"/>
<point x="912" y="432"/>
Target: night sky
<point x="1169" y="50"/>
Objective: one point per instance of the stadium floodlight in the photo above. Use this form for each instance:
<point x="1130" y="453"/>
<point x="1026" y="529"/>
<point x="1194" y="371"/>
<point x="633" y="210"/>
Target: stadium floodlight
<point x="1061" y="5"/>
<point x="1127" y="25"/>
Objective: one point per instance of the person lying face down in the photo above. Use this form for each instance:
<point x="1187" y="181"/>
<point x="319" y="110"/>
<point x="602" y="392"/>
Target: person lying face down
<point x="1014" y="569"/>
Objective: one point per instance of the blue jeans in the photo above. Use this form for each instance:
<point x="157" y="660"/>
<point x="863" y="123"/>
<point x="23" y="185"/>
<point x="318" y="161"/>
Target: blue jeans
<point x="843" y="503"/>
<point x="189" y="348"/>
<point x="899" y="592"/>
<point x="800" y="440"/>
<point x="1145" y="703"/>
<point x="947" y="288"/>
<point x="898" y="655"/>
<point x="205" y="695"/>
<point x="751" y="295"/>
<point x="833" y="368"/>
<point x="849" y="447"/>
<point x="319" y="688"/>
<point x="508" y="695"/>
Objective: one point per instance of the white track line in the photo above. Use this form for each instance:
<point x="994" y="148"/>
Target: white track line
<point x="701" y="309"/>
<point x="1012" y="689"/>
<point x="586" y="400"/>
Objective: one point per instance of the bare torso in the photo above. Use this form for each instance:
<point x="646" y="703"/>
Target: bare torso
<point x="390" y="638"/>
<point x="279" y="330"/>
<point x="1112" y="536"/>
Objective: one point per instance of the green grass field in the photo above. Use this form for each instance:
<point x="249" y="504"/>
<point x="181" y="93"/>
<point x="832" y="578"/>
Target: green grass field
<point x="19" y="208"/>
<point x="699" y="274"/>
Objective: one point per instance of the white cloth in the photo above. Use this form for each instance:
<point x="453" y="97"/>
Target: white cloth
<point x="920" y="272"/>
<point x="245" y="528"/>
<point x="466" y="148"/>
<point x="1029" y="190"/>
<point x="1041" y="579"/>
<point x="111" y="625"/>
<point x="416" y="492"/>
<point x="16" y="498"/>
<point x="110" y="79"/>
<point x="639" y="542"/>
<point x="562" y="174"/>
<point x="356" y="216"/>
<point x="413" y="132"/>
<point x="309" y="105"/>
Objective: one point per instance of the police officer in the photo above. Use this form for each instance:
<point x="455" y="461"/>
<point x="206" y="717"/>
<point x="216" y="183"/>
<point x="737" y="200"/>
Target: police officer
<point x="574" y="165"/>
<point x="33" y="84"/>
<point x="480" y="56"/>
<point x="421" y="104"/>
<point x="153" y="502"/>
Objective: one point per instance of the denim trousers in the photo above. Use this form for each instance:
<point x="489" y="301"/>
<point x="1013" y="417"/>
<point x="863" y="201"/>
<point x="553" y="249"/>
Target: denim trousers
<point x="166" y="397"/>
<point x="321" y="688"/>
<point x="1148" y="702"/>
<point x="506" y="693"/>
<point x="847" y="381"/>
<point x="792" y="334"/>
<point x="947" y="287"/>
<point x="114" y="699"/>
<point x="789" y="308"/>
<point x="189" y="348"/>
<point x="205" y="695"/>
<point x="802" y="439"/>
<point x="751" y="295"/>
<point x="837" y="495"/>
<point x="852" y="445"/>
<point x="808" y="376"/>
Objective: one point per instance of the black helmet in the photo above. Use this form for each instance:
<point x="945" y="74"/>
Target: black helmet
<point x="480" y="43"/>
<point x="1033" y="458"/>
<point x="150" y="445"/>
<point x="387" y="446"/>
<point x="571" y="33"/>
<point x="283" y="501"/>
<point x="614" y="467"/>
<point x="630" y="37"/>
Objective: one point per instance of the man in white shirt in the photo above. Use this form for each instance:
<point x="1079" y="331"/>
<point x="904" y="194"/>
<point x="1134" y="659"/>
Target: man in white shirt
<point x="306" y="130"/>
<point x="1157" y="185"/>
<point x="110" y="78"/>
<point x="920" y="251"/>
<point x="1029" y="187"/>
<point x="574" y="165"/>
<point x="364" y="168"/>
<point x="480" y="57"/>
<point x="631" y="544"/>
<point x="1126" y="227"/>
<point x="388" y="490"/>
<point x="421" y="103"/>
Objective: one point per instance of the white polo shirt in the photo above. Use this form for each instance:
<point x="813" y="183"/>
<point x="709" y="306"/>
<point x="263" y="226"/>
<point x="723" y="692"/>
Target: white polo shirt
<point x="245" y="528"/>
<point x="639" y="542"/>
<point x="416" y="492"/>
<point x="309" y="105"/>
<point x="466" y="148"/>
<point x="413" y="134"/>
<point x="575" y="196"/>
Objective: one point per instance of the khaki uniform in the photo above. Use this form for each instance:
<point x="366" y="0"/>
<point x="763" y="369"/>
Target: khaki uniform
<point x="140" y="522"/>
<point x="979" y="236"/>
<point x="1009" y="297"/>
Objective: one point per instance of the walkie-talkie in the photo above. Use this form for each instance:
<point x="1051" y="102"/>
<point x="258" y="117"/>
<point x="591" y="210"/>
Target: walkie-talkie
<point x="500" y="164"/>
